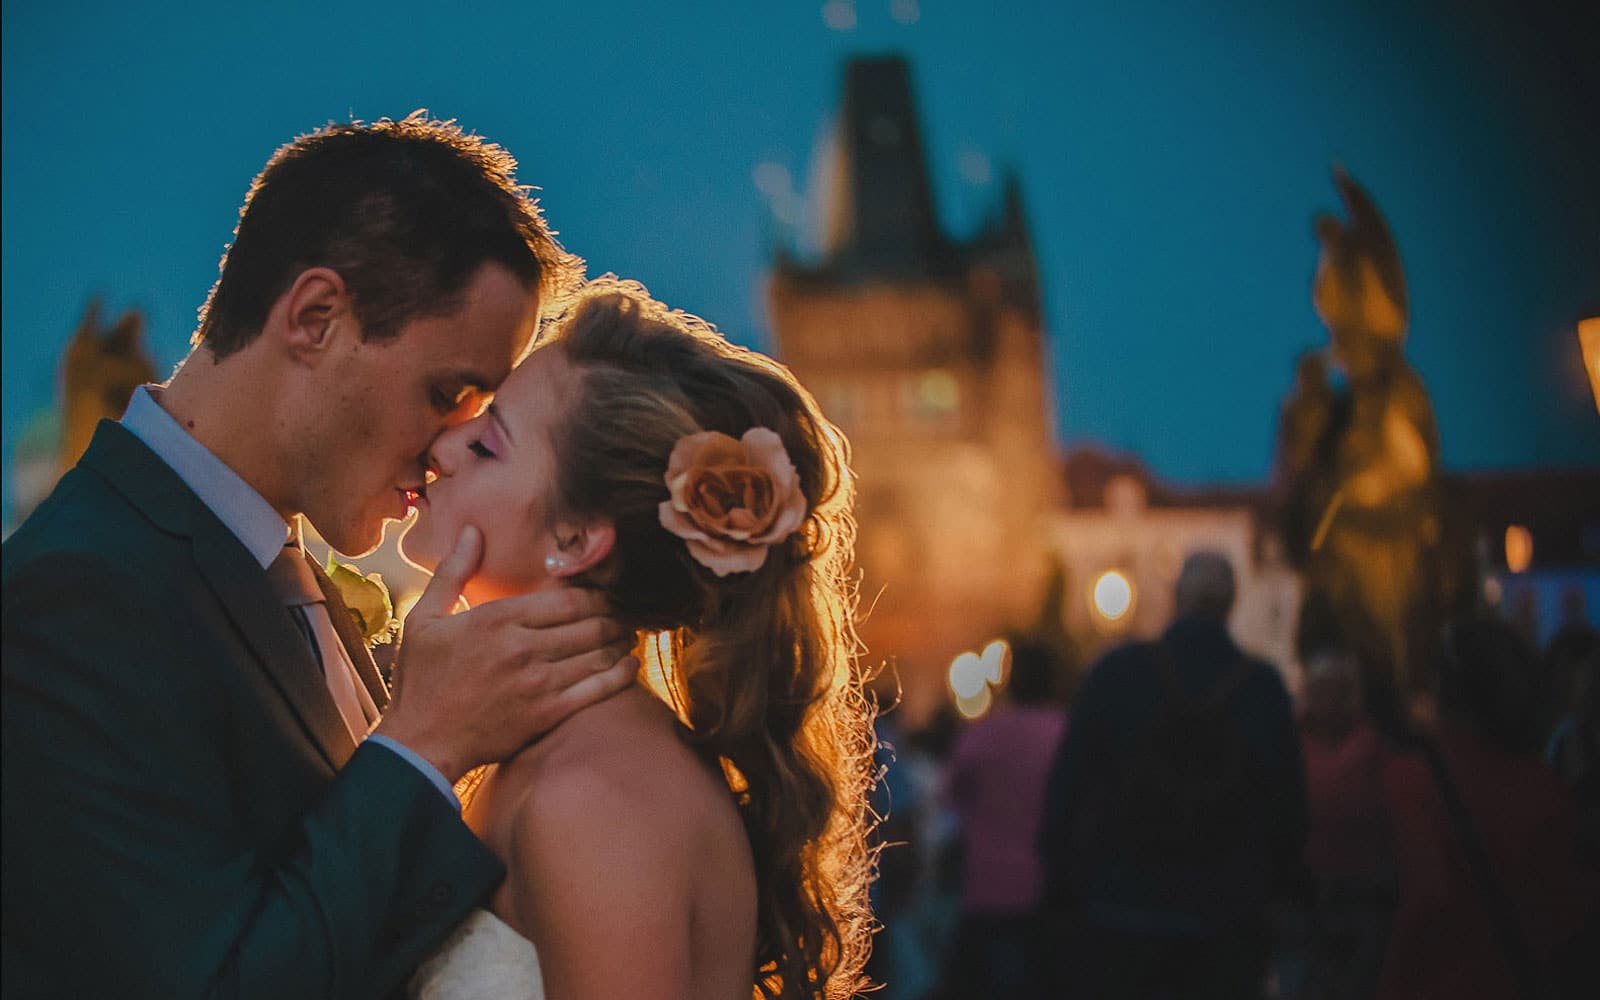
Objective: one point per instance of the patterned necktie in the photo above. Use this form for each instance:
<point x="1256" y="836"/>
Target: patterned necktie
<point x="295" y="583"/>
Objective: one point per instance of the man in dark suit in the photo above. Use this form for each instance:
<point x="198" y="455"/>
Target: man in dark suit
<point x="199" y="799"/>
<point x="1175" y="809"/>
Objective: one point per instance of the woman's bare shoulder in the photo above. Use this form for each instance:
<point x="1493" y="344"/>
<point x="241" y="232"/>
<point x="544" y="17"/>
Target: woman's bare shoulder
<point x="622" y="761"/>
<point x="618" y="839"/>
<point x="601" y="859"/>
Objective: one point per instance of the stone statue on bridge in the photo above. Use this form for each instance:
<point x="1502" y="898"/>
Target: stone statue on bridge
<point x="1358" y="463"/>
<point x="99" y="370"/>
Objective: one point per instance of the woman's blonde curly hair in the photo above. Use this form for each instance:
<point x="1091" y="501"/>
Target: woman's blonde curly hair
<point x="764" y="667"/>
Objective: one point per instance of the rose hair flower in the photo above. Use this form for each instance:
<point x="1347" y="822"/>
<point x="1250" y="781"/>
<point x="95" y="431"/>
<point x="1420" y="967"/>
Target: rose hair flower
<point x="731" y="500"/>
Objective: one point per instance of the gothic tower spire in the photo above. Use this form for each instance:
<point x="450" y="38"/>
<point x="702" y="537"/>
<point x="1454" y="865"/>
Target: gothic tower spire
<point x="881" y="222"/>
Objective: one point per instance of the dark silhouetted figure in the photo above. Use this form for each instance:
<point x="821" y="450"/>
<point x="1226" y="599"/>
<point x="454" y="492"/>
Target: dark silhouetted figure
<point x="914" y="896"/>
<point x="1176" y="807"/>
<point x="1572" y="662"/>
<point x="995" y="781"/>
<point x="1349" y="857"/>
<point x="1493" y="893"/>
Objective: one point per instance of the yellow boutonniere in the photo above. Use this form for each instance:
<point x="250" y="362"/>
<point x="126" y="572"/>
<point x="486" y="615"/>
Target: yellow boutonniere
<point x="368" y="601"/>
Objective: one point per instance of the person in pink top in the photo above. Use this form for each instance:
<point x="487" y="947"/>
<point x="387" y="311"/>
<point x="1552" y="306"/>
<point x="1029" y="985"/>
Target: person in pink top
<point x="996" y="784"/>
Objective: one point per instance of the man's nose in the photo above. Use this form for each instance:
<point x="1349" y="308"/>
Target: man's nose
<point x="447" y="444"/>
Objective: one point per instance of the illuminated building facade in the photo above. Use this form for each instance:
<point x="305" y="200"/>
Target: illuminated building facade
<point x="930" y="353"/>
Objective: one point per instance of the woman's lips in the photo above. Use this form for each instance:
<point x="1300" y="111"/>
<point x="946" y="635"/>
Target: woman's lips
<point x="412" y="499"/>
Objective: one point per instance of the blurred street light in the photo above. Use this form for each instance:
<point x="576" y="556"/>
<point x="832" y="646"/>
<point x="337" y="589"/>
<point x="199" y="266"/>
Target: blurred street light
<point x="1519" y="548"/>
<point x="974" y="676"/>
<point x="974" y="708"/>
<point x="996" y="659"/>
<point x="967" y="678"/>
<point x="1589" y="341"/>
<point x="1113" y="595"/>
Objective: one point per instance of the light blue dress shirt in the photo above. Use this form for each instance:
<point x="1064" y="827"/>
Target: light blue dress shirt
<point x="241" y="509"/>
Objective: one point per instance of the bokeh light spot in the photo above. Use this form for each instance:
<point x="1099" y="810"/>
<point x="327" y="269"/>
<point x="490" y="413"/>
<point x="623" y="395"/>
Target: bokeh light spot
<point x="1113" y="595"/>
<point x="1519" y="548"/>
<point x="967" y="676"/>
<point x="995" y="658"/>
<point x="977" y="705"/>
<point x="840" y="15"/>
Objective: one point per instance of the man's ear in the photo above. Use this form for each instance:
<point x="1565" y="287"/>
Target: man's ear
<point x="583" y="545"/>
<point x="311" y="309"/>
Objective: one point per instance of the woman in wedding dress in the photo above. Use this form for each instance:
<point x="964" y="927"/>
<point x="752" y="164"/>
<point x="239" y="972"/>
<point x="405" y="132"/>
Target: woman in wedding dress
<point x="704" y="834"/>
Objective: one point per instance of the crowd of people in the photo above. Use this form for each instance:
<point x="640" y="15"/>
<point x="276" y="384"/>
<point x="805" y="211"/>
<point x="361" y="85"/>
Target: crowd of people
<point x="1186" y="827"/>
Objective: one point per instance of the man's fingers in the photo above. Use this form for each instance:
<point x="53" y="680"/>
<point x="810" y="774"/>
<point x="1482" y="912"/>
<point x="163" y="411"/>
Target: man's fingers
<point x="595" y="687"/>
<point x="544" y="608"/>
<point x="558" y="642"/>
<point x="560" y="674"/>
<point x="444" y="590"/>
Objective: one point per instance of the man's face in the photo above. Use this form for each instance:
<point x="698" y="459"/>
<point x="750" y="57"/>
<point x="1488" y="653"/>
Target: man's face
<point x="383" y="403"/>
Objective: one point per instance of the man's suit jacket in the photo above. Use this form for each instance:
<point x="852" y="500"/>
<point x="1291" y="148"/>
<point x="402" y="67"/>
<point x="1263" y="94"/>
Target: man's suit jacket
<point x="184" y="812"/>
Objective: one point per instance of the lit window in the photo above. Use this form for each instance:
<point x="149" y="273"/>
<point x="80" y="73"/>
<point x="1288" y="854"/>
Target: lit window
<point x="932" y="397"/>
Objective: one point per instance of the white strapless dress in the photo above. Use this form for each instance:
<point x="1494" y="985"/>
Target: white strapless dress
<point x="484" y="959"/>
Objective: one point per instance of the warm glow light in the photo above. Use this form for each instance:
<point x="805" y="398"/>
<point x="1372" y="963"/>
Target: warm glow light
<point x="403" y="606"/>
<point x="655" y="655"/>
<point x="995" y="658"/>
<point x="938" y="391"/>
<point x="968" y="676"/>
<point x="1589" y="341"/>
<point x="1113" y="595"/>
<point x="1519" y="548"/>
<point x="972" y="708"/>
<point x="974" y="676"/>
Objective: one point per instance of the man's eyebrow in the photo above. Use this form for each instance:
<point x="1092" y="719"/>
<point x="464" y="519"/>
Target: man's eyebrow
<point x="494" y="412"/>
<point x="479" y="380"/>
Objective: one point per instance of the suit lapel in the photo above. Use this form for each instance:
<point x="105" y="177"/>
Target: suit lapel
<point x="344" y="623"/>
<point x="238" y="581"/>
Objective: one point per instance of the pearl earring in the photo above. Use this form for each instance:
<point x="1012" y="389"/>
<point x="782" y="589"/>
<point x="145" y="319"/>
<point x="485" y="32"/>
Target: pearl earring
<point x="554" y="563"/>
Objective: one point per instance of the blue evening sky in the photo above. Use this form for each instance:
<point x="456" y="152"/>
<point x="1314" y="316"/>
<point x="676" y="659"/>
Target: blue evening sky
<point x="1171" y="162"/>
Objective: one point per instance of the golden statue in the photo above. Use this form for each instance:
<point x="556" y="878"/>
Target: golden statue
<point x="1360" y="462"/>
<point x="99" y="371"/>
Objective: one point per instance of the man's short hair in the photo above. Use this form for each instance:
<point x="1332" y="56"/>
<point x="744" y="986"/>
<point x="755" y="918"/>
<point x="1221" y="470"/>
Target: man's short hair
<point x="406" y="212"/>
<point x="1205" y="586"/>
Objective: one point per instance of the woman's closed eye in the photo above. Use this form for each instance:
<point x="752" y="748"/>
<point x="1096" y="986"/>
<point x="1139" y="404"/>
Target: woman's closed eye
<point x="479" y="449"/>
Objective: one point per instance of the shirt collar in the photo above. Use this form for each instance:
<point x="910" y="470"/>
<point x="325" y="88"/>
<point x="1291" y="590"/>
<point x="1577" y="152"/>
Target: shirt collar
<point x="235" y="502"/>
